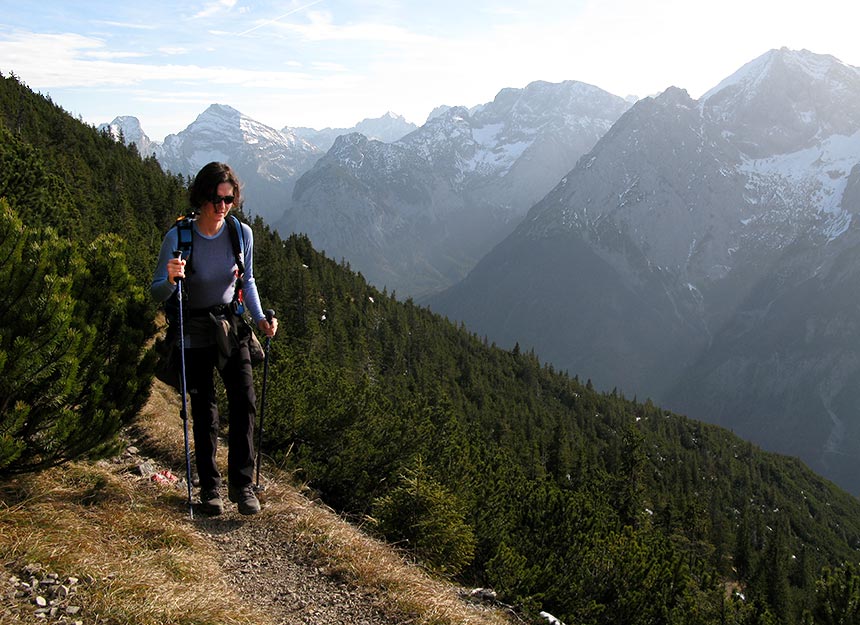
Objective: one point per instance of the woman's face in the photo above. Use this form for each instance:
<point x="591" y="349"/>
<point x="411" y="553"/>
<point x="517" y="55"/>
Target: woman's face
<point x="220" y="204"/>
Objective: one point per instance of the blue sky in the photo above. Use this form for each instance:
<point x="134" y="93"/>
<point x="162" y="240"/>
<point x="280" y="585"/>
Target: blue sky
<point x="333" y="63"/>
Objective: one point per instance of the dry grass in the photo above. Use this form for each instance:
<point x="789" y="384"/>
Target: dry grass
<point x="149" y="565"/>
<point x="146" y="563"/>
<point x="407" y="591"/>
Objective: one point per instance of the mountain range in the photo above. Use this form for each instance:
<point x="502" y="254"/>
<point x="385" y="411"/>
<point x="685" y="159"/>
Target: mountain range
<point x="269" y="161"/>
<point x="416" y="214"/>
<point x="469" y="457"/>
<point x="705" y="254"/>
<point x="413" y="211"/>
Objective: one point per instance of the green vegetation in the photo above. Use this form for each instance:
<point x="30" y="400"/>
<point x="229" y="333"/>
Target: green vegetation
<point x="79" y="216"/>
<point x="482" y="462"/>
<point x="69" y="347"/>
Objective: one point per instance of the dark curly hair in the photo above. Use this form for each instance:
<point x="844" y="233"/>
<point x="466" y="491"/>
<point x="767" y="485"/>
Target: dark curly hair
<point x="207" y="180"/>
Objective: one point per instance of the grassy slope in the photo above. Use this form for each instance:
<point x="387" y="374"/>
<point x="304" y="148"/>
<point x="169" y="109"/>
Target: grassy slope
<point x="144" y="559"/>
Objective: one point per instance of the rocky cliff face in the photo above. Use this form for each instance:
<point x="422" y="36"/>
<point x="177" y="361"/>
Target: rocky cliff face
<point x="703" y="254"/>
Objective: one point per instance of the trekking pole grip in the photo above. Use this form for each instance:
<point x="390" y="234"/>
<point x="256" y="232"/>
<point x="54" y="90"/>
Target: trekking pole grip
<point x="177" y="254"/>
<point x="270" y="314"/>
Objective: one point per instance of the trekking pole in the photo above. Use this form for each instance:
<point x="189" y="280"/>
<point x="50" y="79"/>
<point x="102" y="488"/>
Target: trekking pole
<point x="270" y="314"/>
<point x="182" y="389"/>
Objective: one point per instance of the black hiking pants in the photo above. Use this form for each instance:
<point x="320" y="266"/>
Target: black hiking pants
<point x="242" y="403"/>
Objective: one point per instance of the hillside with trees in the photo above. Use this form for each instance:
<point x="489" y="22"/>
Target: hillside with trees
<point x="487" y="465"/>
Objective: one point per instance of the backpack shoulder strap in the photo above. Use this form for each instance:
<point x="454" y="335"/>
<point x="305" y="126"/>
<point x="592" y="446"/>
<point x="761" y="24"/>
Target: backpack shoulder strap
<point x="185" y="237"/>
<point x="238" y="247"/>
<point x="184" y="234"/>
<point x="236" y="233"/>
<point x="184" y="240"/>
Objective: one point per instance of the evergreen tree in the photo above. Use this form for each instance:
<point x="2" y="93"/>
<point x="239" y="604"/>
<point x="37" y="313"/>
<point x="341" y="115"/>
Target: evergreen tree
<point x="70" y="367"/>
<point x="837" y="597"/>
<point x="422" y="515"/>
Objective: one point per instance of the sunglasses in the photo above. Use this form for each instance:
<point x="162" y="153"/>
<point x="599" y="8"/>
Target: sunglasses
<point x="227" y="199"/>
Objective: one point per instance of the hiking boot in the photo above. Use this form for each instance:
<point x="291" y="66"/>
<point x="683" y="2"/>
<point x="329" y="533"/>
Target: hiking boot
<point x="245" y="498"/>
<point x="210" y="502"/>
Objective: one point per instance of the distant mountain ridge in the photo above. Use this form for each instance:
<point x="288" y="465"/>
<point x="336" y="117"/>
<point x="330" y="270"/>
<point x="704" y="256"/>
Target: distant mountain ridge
<point x="268" y="160"/>
<point x="416" y="214"/>
<point x="702" y="255"/>
<point x="388" y="128"/>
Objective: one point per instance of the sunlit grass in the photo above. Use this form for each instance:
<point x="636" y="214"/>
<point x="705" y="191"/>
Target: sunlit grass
<point x="146" y="563"/>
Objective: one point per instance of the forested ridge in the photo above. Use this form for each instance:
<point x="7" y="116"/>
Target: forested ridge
<point x="488" y="465"/>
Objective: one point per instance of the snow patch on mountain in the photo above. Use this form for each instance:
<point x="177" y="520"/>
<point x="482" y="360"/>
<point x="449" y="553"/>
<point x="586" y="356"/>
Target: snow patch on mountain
<point x="494" y="155"/>
<point x="202" y="157"/>
<point x="808" y="181"/>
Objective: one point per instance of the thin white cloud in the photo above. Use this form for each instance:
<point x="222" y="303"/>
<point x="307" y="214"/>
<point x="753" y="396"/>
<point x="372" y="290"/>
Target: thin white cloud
<point x="279" y="18"/>
<point x="106" y="55"/>
<point x="131" y="25"/>
<point x="213" y="8"/>
<point x="321" y="27"/>
<point x="329" y="67"/>
<point x="172" y="50"/>
<point x="61" y="61"/>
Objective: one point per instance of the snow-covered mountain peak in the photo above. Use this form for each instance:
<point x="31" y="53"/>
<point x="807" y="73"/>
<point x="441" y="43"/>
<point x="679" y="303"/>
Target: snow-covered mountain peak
<point x="489" y="139"/>
<point x="447" y="134"/>
<point x="752" y="167"/>
<point x="390" y="115"/>
<point x="542" y="104"/>
<point x="124" y="124"/>
<point x="750" y="77"/>
<point x="128" y="128"/>
<point x="436" y="112"/>
<point x="786" y="100"/>
<point x="266" y="159"/>
<point x="674" y="96"/>
<point x="224" y="120"/>
<point x="349" y="150"/>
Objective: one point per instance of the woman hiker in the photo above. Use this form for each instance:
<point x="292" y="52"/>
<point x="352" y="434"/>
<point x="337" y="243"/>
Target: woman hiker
<point x="212" y="302"/>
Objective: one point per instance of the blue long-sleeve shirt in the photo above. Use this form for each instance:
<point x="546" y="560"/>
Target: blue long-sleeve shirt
<point x="213" y="278"/>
